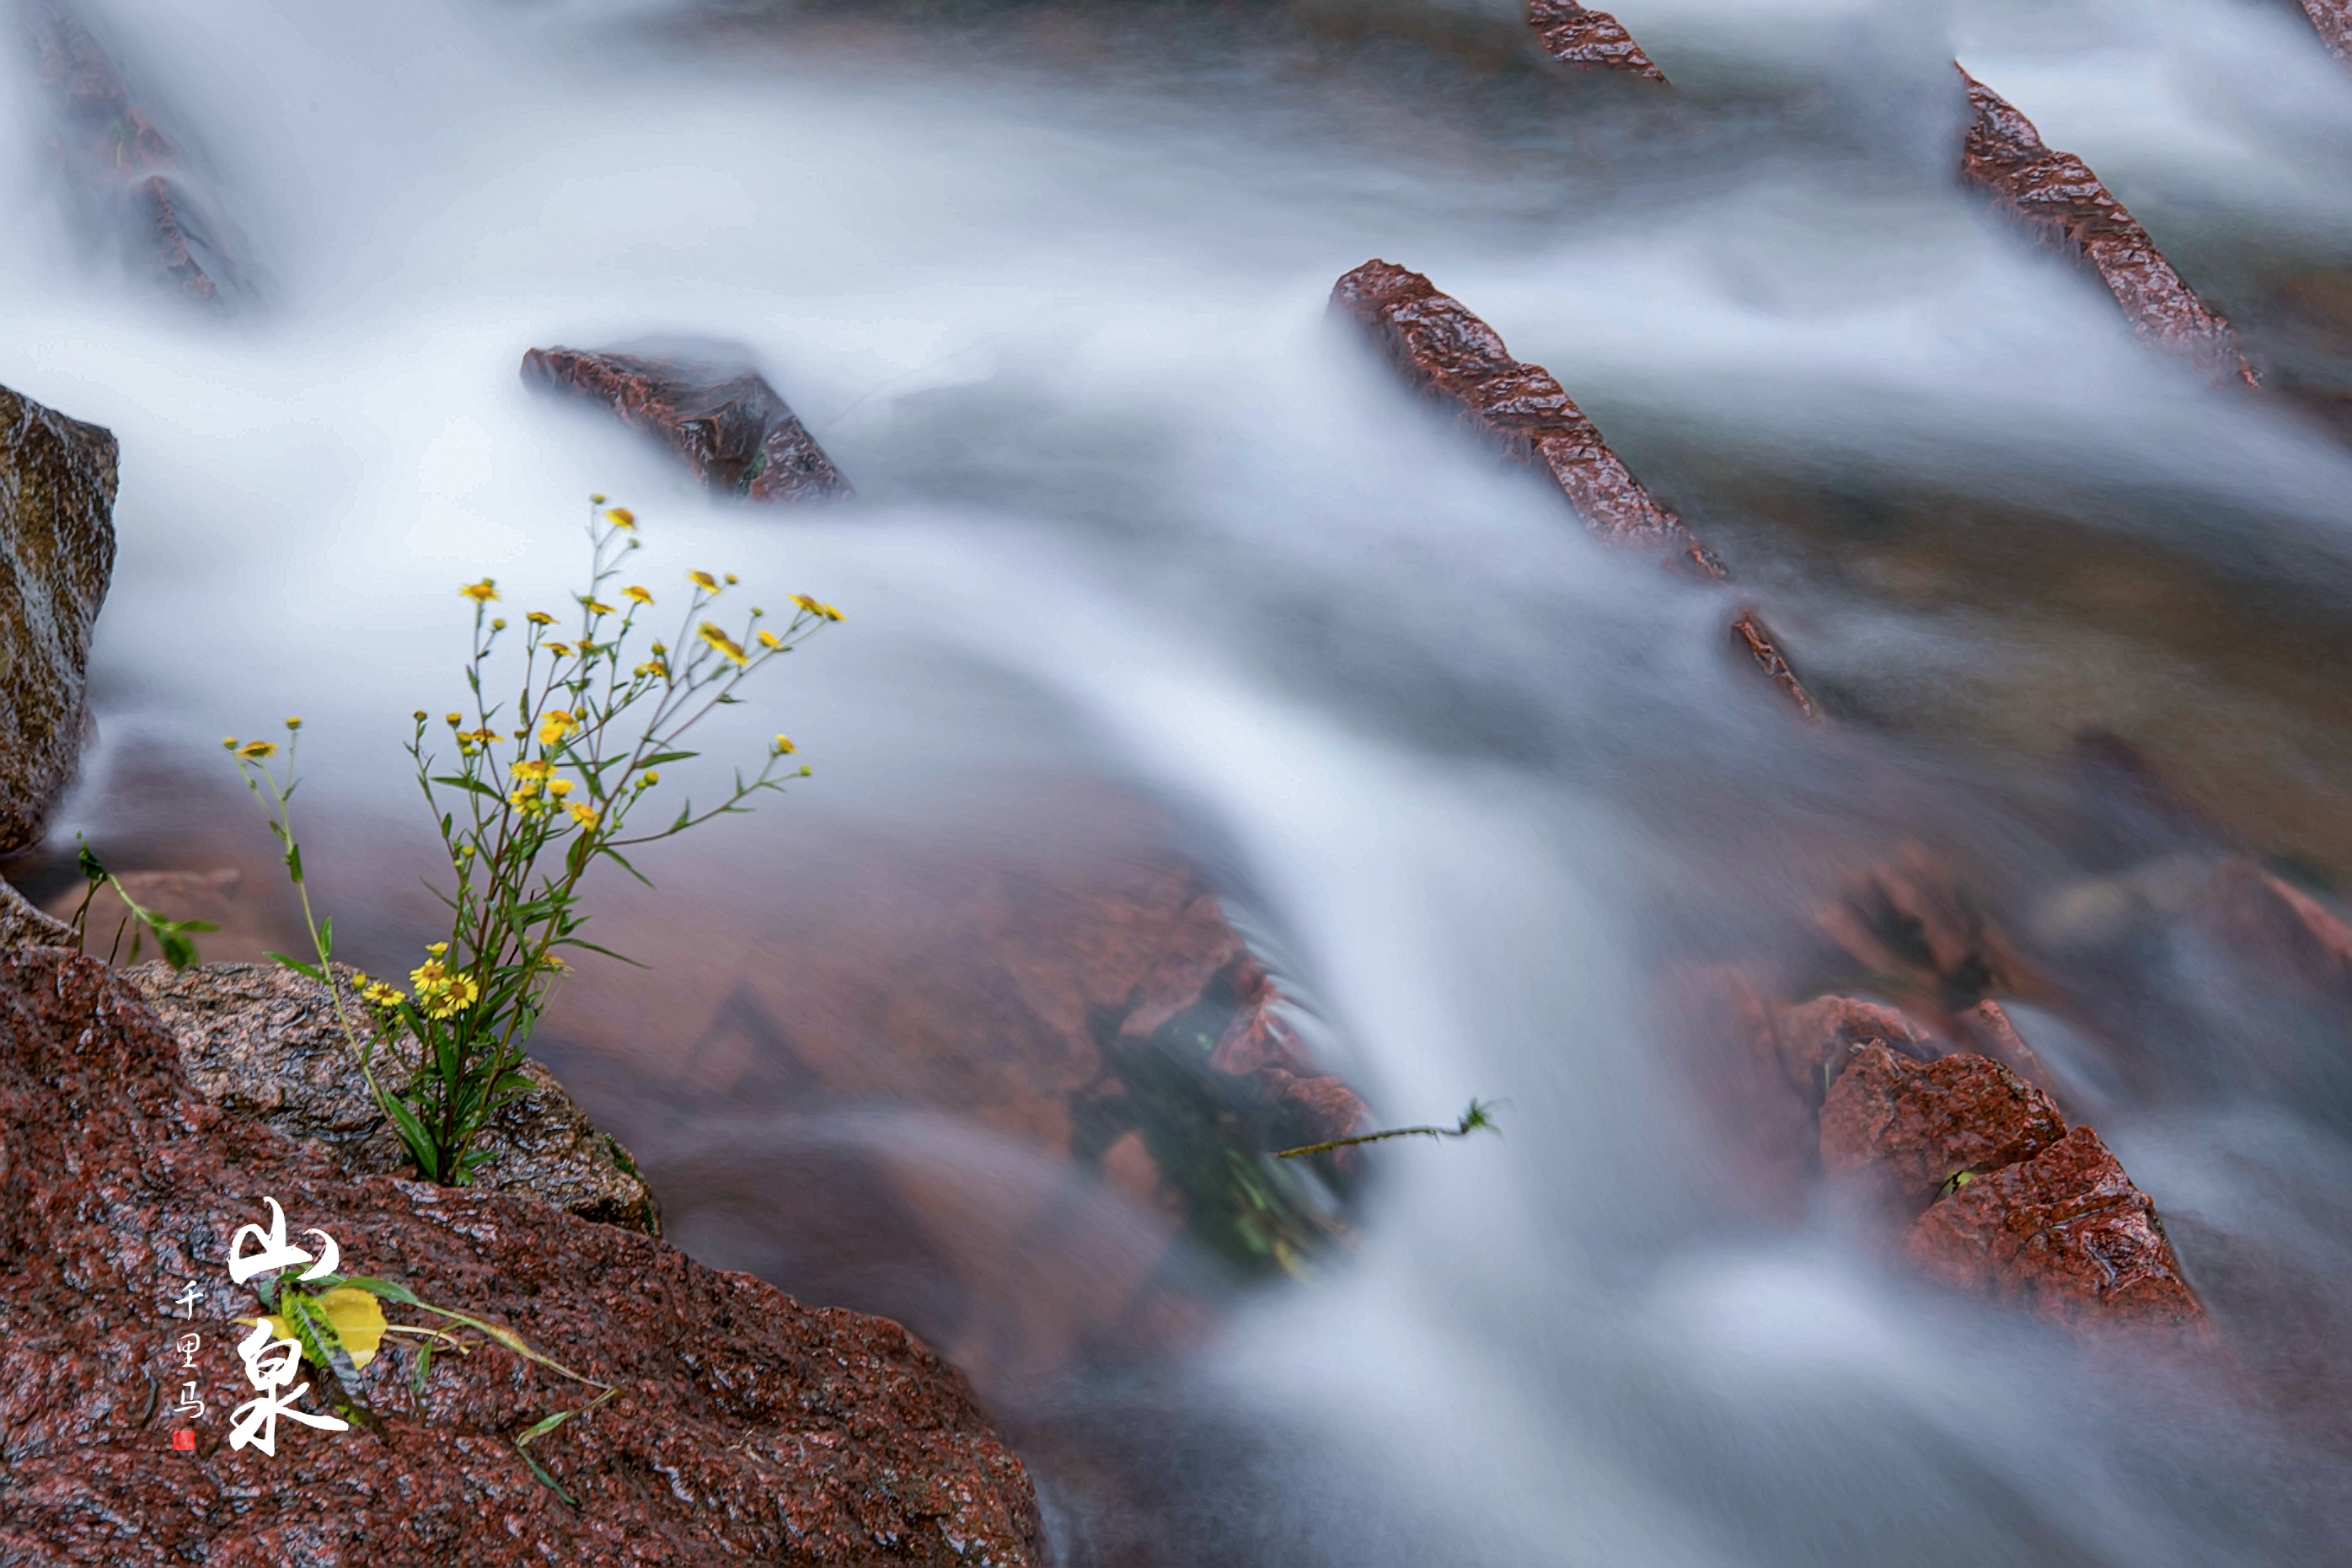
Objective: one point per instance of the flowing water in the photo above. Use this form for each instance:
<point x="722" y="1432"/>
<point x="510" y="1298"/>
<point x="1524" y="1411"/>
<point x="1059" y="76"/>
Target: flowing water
<point x="1149" y="556"/>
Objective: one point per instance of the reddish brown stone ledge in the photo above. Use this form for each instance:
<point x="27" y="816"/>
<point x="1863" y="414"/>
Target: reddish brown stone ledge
<point x="747" y="1428"/>
<point x="2056" y="198"/>
<point x="1452" y="358"/>
<point x="2332" y="19"/>
<point x="1579" y="35"/>
<point x="730" y="427"/>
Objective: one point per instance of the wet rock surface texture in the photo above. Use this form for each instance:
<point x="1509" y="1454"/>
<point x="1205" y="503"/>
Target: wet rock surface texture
<point x="724" y="421"/>
<point x="1452" y="358"/>
<point x="56" y="556"/>
<point x="260" y="1040"/>
<point x="125" y="175"/>
<point x="1579" y="36"/>
<point x="748" y="1428"/>
<point x="2333" y="21"/>
<point x="2056" y="198"/>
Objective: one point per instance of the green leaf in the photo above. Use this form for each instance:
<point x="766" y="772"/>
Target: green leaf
<point x="294" y="862"/>
<point x="88" y="862"/>
<point x="298" y="967"/>
<point x="327" y="936"/>
<point x="422" y="1148"/>
<point x="661" y="759"/>
<point x="421" y="1369"/>
<point x="612" y="853"/>
<point x="178" y="951"/>
<point x="459" y="781"/>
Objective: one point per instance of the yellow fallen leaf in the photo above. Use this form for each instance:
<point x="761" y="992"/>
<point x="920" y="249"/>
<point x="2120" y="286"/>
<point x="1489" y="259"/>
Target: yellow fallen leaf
<point x="356" y="1317"/>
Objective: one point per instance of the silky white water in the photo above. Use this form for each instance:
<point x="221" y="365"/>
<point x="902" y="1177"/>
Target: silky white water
<point x="1131" y="508"/>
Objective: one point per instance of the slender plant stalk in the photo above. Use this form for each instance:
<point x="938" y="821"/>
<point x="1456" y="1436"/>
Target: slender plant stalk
<point x="1480" y="1117"/>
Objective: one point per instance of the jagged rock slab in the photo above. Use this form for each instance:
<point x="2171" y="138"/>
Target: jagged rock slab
<point x="262" y="1041"/>
<point x="748" y="1428"/>
<point x="1901" y="1129"/>
<point x="2056" y="198"/>
<point x="127" y="176"/>
<point x="57" y="556"/>
<point x="724" y="421"/>
<point x="1581" y="36"/>
<point x="2065" y="1236"/>
<point x="1452" y="358"/>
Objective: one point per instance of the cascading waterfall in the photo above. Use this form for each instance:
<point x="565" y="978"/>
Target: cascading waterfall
<point x="1050" y="287"/>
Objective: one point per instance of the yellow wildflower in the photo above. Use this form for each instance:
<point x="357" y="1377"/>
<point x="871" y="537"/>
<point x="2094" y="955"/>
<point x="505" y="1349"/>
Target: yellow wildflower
<point x="731" y="580"/>
<point x="293" y="724"/>
<point x="598" y="607"/>
<point x="637" y="595"/>
<point x="481" y="592"/>
<point x="769" y="639"/>
<point x="439" y="993"/>
<point x="830" y="613"/>
<point x="784" y="747"/>
<point x="540" y="618"/>
<point x="559" y="787"/>
<point x="722" y="642"/>
<point x="558" y="649"/>
<point x="455" y="719"/>
<point x="621" y="518"/>
<point x="436" y="948"/>
<point x="523" y="794"/>
<point x="554" y="724"/>
<point x="254" y="750"/>
<point x="228" y="743"/>
<point x="806" y="602"/>
<point x="648" y="778"/>
<point x="594" y="500"/>
<point x="703" y="580"/>
<point x="537" y="767"/>
<point x="583" y="813"/>
<point x="382" y="995"/>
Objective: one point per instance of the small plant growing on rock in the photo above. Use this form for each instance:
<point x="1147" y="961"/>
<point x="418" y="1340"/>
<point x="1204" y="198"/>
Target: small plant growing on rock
<point x="170" y="936"/>
<point x="540" y="789"/>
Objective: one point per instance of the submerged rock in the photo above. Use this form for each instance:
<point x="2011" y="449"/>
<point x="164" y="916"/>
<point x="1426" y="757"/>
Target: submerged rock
<point x="735" y="434"/>
<point x="1452" y="358"/>
<point x="262" y="1041"/>
<point x="126" y="176"/>
<point x="2056" y="198"/>
<point x="746" y="1426"/>
<point x="1579" y="35"/>
<point x="57" y="556"/>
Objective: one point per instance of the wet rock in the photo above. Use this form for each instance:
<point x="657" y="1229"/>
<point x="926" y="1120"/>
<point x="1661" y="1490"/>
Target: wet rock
<point x="1988" y="1028"/>
<point x="1752" y="638"/>
<point x="724" y="421"/>
<point x="1579" y="36"/>
<point x="2064" y="1235"/>
<point x="56" y="556"/>
<point x="1453" y="359"/>
<point x="126" y="176"/>
<point x="1897" y="1131"/>
<point x="2279" y="924"/>
<point x="2332" y="19"/>
<point x="1911" y="925"/>
<point x="23" y="925"/>
<point x="261" y="1041"/>
<point x="2056" y="198"/>
<point x="1814" y="1042"/>
<point x="748" y="1428"/>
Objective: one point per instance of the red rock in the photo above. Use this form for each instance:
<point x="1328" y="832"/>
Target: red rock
<point x="124" y="166"/>
<point x="2332" y="19"/>
<point x="2065" y="1236"/>
<point x="1816" y="1041"/>
<point x="1750" y="636"/>
<point x="2056" y="198"/>
<point x="1579" y="36"/>
<point x="2279" y="924"/>
<point x="747" y="1426"/>
<point x="733" y="432"/>
<point x="1451" y="357"/>
<point x="1909" y="920"/>
<point x="1896" y="1130"/>
<point x="1988" y="1029"/>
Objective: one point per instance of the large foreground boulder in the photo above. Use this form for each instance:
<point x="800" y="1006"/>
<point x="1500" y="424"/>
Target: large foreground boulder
<point x="746" y="1429"/>
<point x="56" y="556"/>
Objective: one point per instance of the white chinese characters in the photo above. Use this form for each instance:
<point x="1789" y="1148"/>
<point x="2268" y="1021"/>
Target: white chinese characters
<point x="271" y="1362"/>
<point x="275" y="1254"/>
